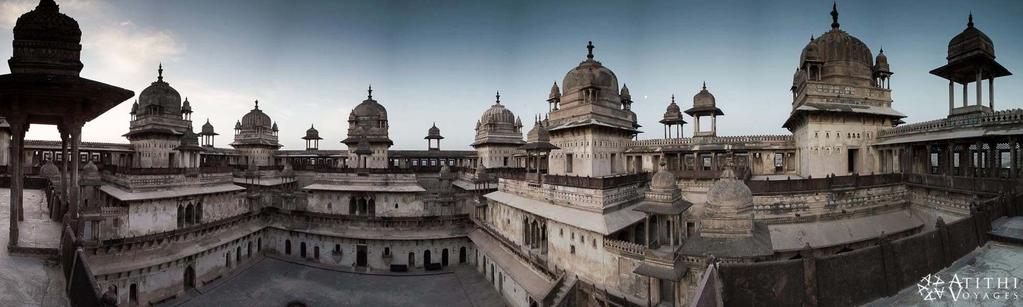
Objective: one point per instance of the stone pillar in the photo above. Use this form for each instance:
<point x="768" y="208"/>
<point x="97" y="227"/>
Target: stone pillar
<point x="951" y="97"/>
<point x="17" y="170"/>
<point x="646" y="223"/>
<point x="76" y="140"/>
<point x="991" y="93"/>
<point x="696" y="126"/>
<point x="714" y="125"/>
<point x="979" y="80"/>
<point x="966" y="99"/>
<point x="1014" y="157"/>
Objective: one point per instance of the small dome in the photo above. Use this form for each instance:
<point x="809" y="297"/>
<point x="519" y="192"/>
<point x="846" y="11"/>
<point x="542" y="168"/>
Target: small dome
<point x="970" y="41"/>
<point x="49" y="171"/>
<point x="555" y="92"/>
<point x="881" y="62"/>
<point x="46" y="41"/>
<point x="90" y="171"/>
<point x="312" y="134"/>
<point x="625" y="92"/>
<point x="134" y="107"/>
<point x="274" y="128"/>
<point x="433" y="133"/>
<point x="445" y="172"/>
<point x="186" y="107"/>
<point x="207" y="128"/>
<point x="287" y="171"/>
<point x="729" y="194"/>
<point x="189" y="138"/>
<point x="237" y="125"/>
<point x="160" y="98"/>
<point x="704" y="98"/>
<point x="663" y="179"/>
<point x="538" y="134"/>
<point x="256" y="119"/>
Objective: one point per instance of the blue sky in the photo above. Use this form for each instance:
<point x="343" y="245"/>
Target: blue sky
<point x="309" y="62"/>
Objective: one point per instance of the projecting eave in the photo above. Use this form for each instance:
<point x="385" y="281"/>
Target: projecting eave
<point x="591" y="122"/>
<point x="49" y="97"/>
<point x="841" y="108"/>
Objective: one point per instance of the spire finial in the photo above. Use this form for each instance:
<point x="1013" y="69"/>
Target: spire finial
<point x="811" y="37"/>
<point x="970" y="23"/>
<point x="257" y="104"/>
<point x="498" y="97"/>
<point x="370" y="92"/>
<point x="834" y="15"/>
<point x="704" y="85"/>
<point x="589" y="48"/>
<point x="881" y="51"/>
<point x="311" y="126"/>
<point x="207" y="120"/>
<point x="47" y="5"/>
<point x="672" y="98"/>
<point x="159" y="76"/>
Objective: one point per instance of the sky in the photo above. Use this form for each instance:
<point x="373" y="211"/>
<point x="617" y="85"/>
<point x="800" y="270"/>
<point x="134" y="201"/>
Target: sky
<point x="309" y="62"/>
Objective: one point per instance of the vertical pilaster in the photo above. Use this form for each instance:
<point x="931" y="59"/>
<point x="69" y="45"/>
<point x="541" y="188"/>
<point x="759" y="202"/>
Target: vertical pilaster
<point x="991" y="93"/>
<point x="951" y="96"/>
<point x="979" y="80"/>
<point x="18" y="126"/>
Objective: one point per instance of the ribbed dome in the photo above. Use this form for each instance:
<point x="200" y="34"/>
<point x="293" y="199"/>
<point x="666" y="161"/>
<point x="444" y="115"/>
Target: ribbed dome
<point x="729" y="194"/>
<point x="663" y="179"/>
<point x="207" y="128"/>
<point x="555" y="92"/>
<point x="160" y="97"/>
<point x="673" y="114"/>
<point x="497" y="114"/>
<point x="46" y="41"/>
<point x="256" y="118"/>
<point x="590" y="73"/>
<point x="970" y="41"/>
<point x="369" y="108"/>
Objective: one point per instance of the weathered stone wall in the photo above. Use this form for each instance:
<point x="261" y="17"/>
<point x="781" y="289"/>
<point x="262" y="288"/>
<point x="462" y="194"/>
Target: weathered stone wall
<point x="499" y="279"/>
<point x="161" y="215"/>
<point x="376" y="250"/>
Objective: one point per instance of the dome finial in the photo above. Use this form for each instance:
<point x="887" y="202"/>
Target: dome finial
<point x="370" y="91"/>
<point x="159" y="76"/>
<point x="672" y="98"/>
<point x="48" y="5"/>
<point x="970" y="23"/>
<point x="257" y="105"/>
<point x="498" y="97"/>
<point x="834" y="15"/>
<point x="704" y="85"/>
<point x="589" y="48"/>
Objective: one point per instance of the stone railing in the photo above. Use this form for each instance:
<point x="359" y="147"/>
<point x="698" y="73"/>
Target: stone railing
<point x="628" y="249"/>
<point x="586" y="199"/>
<point x="761" y="187"/>
<point x="714" y="140"/>
<point x="595" y="182"/>
<point x="1004" y="117"/>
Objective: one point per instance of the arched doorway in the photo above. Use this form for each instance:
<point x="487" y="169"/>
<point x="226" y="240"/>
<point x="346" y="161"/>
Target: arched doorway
<point x="287" y="247"/>
<point x="461" y="255"/>
<point x="411" y="260"/>
<point x="238" y="254"/>
<point x="444" y="257"/>
<point x="189" y="278"/>
<point x="133" y="294"/>
<point x="426" y="257"/>
<point x="301" y="250"/>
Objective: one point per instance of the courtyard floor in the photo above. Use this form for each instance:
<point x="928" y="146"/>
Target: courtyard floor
<point x="994" y="261"/>
<point x="275" y="282"/>
<point x="29" y="281"/>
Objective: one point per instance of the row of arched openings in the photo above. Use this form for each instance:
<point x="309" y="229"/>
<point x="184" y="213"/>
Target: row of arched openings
<point x="462" y="256"/>
<point x="189" y="214"/>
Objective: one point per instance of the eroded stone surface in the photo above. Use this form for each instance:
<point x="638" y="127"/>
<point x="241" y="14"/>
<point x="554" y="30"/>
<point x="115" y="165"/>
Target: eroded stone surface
<point x="28" y="281"/>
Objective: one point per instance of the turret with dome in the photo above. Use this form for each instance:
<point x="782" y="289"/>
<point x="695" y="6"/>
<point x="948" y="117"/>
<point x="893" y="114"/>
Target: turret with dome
<point x="971" y="59"/>
<point x="256" y="137"/>
<point x="498" y="135"/>
<point x="367" y="123"/>
<point x="593" y="116"/>
<point x="839" y="88"/>
<point x="159" y="120"/>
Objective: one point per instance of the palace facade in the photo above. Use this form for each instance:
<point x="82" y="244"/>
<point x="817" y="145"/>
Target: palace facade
<point x="576" y="211"/>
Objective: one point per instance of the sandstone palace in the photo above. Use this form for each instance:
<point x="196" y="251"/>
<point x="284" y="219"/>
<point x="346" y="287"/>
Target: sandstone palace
<point x="569" y="208"/>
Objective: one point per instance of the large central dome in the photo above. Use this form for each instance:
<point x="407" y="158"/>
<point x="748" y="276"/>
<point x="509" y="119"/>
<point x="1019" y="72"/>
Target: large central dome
<point x="160" y="98"/>
<point x="590" y="73"/>
<point x="256" y="119"/>
<point x="845" y="58"/>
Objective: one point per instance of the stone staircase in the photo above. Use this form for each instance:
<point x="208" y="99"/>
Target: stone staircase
<point x="564" y="289"/>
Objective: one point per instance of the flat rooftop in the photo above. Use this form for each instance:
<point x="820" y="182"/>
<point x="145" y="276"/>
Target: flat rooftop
<point x="275" y="282"/>
<point x="26" y="280"/>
